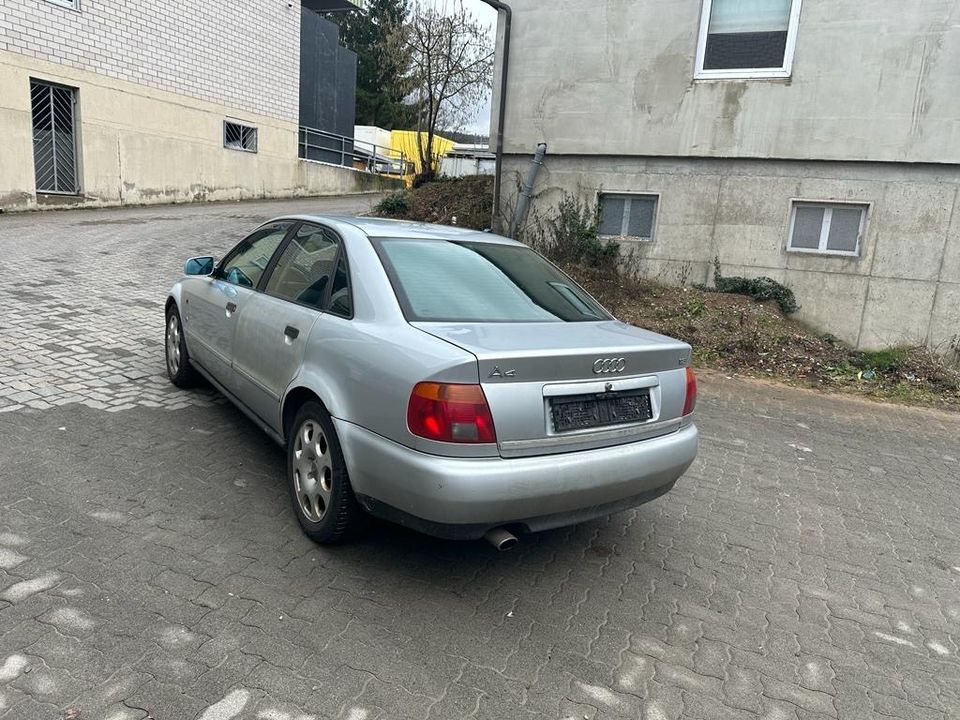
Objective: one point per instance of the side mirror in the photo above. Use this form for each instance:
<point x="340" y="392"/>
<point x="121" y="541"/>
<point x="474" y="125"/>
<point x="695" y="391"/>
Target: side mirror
<point x="198" y="266"/>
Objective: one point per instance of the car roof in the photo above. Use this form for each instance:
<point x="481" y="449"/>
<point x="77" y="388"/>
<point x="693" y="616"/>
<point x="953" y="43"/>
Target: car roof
<point x="386" y="228"/>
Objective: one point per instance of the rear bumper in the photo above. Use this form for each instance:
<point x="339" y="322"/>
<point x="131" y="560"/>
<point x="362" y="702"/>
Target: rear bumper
<point x="464" y="497"/>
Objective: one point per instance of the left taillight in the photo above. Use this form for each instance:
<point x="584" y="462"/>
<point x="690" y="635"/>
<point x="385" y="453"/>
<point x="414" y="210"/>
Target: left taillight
<point x="690" y="402"/>
<point x="450" y="413"/>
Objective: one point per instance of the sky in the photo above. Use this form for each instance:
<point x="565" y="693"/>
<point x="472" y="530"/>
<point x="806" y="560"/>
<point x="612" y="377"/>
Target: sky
<point x="480" y="124"/>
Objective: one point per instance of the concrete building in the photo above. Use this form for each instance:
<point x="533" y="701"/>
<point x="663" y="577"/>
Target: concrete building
<point x="106" y="102"/>
<point x="812" y="141"/>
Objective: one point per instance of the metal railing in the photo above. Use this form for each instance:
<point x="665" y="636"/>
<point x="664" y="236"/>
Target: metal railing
<point x="328" y="147"/>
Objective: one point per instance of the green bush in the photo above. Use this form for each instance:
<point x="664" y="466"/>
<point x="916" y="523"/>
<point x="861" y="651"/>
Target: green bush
<point x="393" y="205"/>
<point x="759" y="288"/>
<point x="574" y="235"/>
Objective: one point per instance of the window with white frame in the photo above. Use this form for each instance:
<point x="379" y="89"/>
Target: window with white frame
<point x="237" y="136"/>
<point x="827" y="228"/>
<point x="626" y="215"/>
<point x="72" y="4"/>
<point x="747" y="38"/>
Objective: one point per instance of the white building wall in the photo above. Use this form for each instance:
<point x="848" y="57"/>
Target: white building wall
<point x="239" y="53"/>
<point x="870" y="81"/>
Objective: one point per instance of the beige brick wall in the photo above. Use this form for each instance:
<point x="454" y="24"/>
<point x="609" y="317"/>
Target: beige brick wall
<point x="240" y="53"/>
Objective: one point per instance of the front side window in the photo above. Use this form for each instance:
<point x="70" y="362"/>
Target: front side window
<point x="245" y="264"/>
<point x="306" y="267"/>
<point x="747" y="38"/>
<point x="444" y="281"/>
<point x="827" y="229"/>
<point x="627" y="216"/>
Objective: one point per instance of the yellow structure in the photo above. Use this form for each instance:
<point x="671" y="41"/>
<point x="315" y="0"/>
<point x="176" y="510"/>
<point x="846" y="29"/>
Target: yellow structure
<point x="405" y="143"/>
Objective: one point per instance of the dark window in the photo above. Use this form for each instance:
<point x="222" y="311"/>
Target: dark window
<point x="747" y="35"/>
<point x="844" y="229"/>
<point x="54" y="137"/>
<point x="807" y="226"/>
<point x="438" y="280"/>
<point x="831" y="229"/>
<point x="305" y="267"/>
<point x="630" y="216"/>
<point x="246" y="263"/>
<point x="237" y="136"/>
<point x="611" y="214"/>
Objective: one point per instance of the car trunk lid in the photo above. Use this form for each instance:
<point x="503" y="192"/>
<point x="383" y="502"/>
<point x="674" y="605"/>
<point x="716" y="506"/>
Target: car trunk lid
<point x="564" y="386"/>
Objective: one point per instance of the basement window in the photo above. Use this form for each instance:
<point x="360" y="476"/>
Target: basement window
<point x="827" y="228"/>
<point x="237" y="136"/>
<point x="628" y="216"/>
<point x="747" y="38"/>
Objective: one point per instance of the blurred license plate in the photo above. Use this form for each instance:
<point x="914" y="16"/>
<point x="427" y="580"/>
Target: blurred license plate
<point x="579" y="412"/>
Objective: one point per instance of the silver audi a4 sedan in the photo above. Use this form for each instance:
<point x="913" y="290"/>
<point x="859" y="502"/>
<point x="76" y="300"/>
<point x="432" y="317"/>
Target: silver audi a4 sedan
<point x="451" y="381"/>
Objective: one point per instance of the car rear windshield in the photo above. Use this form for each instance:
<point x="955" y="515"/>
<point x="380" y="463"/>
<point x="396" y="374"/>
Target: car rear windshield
<point x="447" y="281"/>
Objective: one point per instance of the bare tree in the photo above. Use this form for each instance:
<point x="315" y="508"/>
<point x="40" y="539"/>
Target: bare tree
<point x="451" y="65"/>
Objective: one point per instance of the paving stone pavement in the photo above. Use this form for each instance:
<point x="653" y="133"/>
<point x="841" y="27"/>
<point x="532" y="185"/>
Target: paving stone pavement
<point x="807" y="567"/>
<point x="78" y="323"/>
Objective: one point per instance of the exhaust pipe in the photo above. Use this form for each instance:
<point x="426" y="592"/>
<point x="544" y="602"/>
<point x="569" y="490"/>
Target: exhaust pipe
<point x="501" y="538"/>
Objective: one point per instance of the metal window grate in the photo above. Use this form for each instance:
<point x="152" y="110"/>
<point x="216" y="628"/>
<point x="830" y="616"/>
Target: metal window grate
<point x="54" y="137"/>
<point x="239" y="137"/>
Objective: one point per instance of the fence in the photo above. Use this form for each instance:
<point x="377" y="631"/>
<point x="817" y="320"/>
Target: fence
<point x="329" y="147"/>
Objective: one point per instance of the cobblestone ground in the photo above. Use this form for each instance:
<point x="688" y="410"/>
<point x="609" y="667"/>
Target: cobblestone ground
<point x="808" y="566"/>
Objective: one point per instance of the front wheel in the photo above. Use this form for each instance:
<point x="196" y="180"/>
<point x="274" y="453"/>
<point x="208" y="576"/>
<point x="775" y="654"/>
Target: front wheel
<point x="322" y="496"/>
<point x="179" y="369"/>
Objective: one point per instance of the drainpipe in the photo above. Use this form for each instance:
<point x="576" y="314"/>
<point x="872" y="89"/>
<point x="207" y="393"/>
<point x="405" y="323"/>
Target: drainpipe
<point x="523" y="202"/>
<point x="501" y="7"/>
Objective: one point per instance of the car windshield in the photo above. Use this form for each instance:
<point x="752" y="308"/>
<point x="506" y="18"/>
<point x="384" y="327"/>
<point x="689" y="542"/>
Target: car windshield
<point x="446" y="281"/>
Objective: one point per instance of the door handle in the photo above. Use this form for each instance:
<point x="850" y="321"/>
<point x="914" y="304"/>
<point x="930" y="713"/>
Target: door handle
<point x="231" y="307"/>
<point x="291" y="332"/>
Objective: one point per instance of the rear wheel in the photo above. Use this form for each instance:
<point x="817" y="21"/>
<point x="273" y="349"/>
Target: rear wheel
<point x="179" y="369"/>
<point x="322" y="496"/>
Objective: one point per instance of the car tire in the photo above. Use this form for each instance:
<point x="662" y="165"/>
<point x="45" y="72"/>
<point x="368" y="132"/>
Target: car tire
<point x="320" y="489"/>
<point x="179" y="370"/>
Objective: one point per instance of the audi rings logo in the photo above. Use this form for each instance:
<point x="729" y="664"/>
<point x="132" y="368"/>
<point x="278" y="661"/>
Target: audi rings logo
<point x="608" y="366"/>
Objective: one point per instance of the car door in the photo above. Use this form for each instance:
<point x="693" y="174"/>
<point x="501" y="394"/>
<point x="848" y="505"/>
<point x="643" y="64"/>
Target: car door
<point x="213" y="304"/>
<point x="272" y="332"/>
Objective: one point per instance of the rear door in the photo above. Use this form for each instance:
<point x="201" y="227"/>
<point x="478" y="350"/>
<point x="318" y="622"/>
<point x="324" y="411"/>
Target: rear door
<point x="273" y="329"/>
<point x="213" y="304"/>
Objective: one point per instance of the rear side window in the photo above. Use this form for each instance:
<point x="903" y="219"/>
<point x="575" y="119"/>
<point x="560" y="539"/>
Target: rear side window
<point x="443" y="281"/>
<point x="341" y="299"/>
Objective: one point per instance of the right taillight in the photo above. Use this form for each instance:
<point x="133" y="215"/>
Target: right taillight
<point x="690" y="401"/>
<point x="450" y="413"/>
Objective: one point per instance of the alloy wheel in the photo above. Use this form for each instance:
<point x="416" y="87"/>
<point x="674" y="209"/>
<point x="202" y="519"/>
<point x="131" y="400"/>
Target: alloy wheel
<point x="312" y="470"/>
<point x="173" y="344"/>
